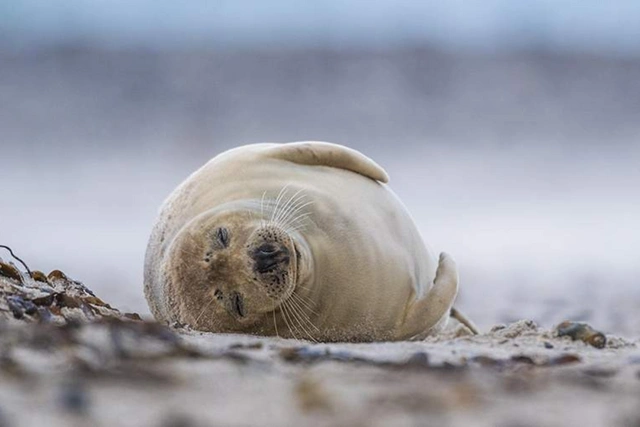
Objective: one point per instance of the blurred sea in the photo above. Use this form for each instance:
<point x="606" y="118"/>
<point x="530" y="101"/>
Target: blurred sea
<point x="524" y="166"/>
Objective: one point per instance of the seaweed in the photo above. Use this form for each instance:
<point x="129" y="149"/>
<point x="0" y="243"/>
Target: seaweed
<point x="583" y="332"/>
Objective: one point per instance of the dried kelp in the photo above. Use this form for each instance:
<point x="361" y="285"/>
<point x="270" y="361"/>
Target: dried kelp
<point x="50" y="299"/>
<point x="60" y="316"/>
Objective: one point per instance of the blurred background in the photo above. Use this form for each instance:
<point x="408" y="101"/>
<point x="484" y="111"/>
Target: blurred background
<point x="510" y="129"/>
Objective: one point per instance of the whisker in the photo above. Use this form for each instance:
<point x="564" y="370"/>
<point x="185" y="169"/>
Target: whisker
<point x="297" y="316"/>
<point x="304" y="303"/>
<point x="284" y="312"/>
<point x="275" y="324"/>
<point x="300" y="217"/>
<point x="291" y="313"/>
<point x="296" y="210"/>
<point x="285" y="206"/>
<point x="262" y="208"/>
<point x="193" y="254"/>
<point x="203" y="310"/>
<point x="291" y="204"/>
<point x="283" y="191"/>
<point x="303" y="315"/>
<point x="290" y="230"/>
<point x="304" y="298"/>
<point x="309" y="300"/>
<point x="294" y="227"/>
<point x="307" y="330"/>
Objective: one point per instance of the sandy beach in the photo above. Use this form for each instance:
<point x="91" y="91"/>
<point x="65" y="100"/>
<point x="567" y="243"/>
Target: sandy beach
<point x="69" y="358"/>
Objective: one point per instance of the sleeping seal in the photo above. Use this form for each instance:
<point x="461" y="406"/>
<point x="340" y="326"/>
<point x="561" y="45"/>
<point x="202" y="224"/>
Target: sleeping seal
<point x="301" y="240"/>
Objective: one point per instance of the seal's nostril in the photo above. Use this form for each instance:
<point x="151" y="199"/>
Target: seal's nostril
<point x="268" y="255"/>
<point x="267" y="249"/>
<point x="265" y="264"/>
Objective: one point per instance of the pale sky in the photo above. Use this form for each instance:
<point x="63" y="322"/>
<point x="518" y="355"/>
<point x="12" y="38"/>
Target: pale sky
<point x="588" y="25"/>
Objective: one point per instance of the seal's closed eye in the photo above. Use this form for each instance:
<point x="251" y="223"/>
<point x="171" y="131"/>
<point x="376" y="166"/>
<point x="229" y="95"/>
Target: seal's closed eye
<point x="237" y="304"/>
<point x="222" y="235"/>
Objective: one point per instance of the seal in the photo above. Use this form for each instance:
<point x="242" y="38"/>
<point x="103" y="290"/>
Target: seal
<point x="299" y="240"/>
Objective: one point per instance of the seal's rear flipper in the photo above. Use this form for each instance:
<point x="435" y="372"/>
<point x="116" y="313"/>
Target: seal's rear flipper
<point x="456" y="314"/>
<point x="314" y="153"/>
<point x="431" y="312"/>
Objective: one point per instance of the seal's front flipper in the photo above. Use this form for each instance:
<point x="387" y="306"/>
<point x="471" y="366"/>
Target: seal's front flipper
<point x="429" y="313"/>
<point x="315" y="153"/>
<point x="456" y="314"/>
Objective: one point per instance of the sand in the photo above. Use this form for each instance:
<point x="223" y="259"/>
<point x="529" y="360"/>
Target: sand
<point x="68" y="358"/>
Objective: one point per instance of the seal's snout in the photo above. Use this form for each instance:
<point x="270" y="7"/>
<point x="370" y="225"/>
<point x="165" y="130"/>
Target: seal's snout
<point x="268" y="256"/>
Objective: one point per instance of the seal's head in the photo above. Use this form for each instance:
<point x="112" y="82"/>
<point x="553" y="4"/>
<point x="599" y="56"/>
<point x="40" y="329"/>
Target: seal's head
<point x="227" y="269"/>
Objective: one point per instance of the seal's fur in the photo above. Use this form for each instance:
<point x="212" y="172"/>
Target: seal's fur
<point x="301" y="240"/>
